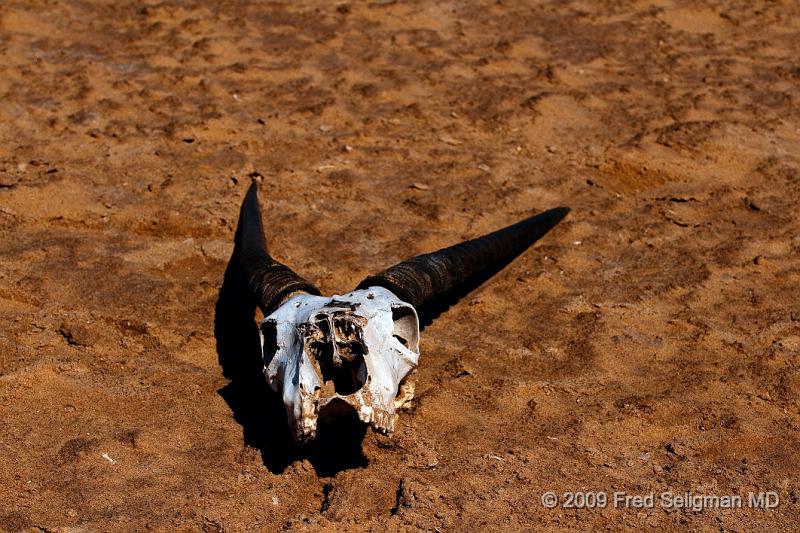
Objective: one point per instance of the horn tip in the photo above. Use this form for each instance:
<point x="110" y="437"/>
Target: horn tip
<point x="557" y="214"/>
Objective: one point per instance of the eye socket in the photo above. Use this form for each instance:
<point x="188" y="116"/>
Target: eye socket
<point x="406" y="327"/>
<point x="269" y="334"/>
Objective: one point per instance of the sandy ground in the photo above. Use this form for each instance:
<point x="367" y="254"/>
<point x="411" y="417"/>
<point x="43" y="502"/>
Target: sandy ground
<point x="651" y="342"/>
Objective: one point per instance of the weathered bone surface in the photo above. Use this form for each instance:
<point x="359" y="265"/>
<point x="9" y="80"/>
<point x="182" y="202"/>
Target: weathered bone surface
<point x="357" y="348"/>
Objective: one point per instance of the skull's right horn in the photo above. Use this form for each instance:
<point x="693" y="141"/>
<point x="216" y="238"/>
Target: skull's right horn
<point x="422" y="278"/>
<point x="270" y="281"/>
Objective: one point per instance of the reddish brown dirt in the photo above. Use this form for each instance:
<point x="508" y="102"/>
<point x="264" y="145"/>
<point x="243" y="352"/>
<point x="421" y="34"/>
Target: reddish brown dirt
<point x="649" y="343"/>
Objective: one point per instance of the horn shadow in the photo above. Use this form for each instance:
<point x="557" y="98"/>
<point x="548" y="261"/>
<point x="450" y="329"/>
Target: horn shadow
<point x="254" y="404"/>
<point x="435" y="307"/>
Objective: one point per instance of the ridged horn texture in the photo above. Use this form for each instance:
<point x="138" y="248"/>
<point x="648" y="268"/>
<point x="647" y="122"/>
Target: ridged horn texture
<point x="269" y="280"/>
<point x="425" y="277"/>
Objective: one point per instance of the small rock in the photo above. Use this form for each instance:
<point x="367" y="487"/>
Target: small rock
<point x="216" y="249"/>
<point x="676" y="448"/>
<point x="7" y="180"/>
<point x="449" y="140"/>
<point x="76" y="334"/>
<point x="751" y="204"/>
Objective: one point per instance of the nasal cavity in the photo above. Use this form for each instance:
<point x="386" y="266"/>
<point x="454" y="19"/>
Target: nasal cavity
<point x="341" y="363"/>
<point x="348" y="370"/>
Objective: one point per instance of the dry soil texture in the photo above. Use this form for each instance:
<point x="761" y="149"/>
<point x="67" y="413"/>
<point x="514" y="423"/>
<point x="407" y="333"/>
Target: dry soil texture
<point x="648" y="343"/>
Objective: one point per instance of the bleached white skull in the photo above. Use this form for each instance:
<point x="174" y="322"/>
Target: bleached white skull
<point x="357" y="348"/>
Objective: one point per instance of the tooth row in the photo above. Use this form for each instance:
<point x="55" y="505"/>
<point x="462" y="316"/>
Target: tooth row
<point x="383" y="421"/>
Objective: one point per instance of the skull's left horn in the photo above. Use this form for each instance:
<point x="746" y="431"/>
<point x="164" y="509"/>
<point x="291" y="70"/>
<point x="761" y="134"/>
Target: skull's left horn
<point x="270" y="281"/>
<point x="423" y="278"/>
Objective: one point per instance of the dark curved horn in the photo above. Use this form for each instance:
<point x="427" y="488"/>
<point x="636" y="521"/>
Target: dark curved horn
<point x="269" y="280"/>
<point x="424" y="277"/>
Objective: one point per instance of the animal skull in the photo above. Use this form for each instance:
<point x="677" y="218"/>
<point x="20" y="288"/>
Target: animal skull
<point x="357" y="348"/>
